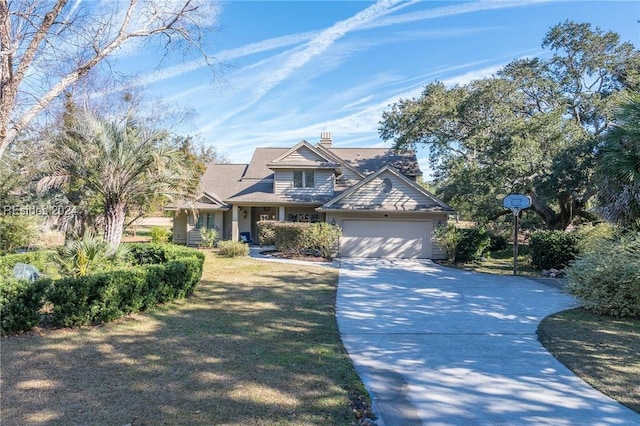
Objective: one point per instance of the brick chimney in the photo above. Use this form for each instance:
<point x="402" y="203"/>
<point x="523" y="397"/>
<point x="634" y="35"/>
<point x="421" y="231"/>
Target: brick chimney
<point x="325" y="140"/>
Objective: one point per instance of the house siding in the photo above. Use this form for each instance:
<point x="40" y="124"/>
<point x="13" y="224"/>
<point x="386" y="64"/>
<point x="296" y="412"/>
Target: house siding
<point x="180" y="228"/>
<point x="192" y="234"/>
<point x="323" y="183"/>
<point x="401" y="196"/>
<point x="346" y="180"/>
<point x="303" y="154"/>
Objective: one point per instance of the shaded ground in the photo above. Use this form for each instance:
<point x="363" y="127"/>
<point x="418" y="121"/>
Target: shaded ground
<point x="256" y="345"/>
<point x="603" y="351"/>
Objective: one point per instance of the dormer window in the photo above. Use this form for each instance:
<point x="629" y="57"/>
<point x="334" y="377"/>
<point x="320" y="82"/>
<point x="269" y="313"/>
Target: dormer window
<point x="304" y="179"/>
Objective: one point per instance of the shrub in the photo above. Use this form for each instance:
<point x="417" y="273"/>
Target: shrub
<point x="462" y="245"/>
<point x="109" y="295"/>
<point x="159" y="234"/>
<point x="39" y="258"/>
<point x="149" y="253"/>
<point x="209" y="237"/>
<point x="20" y="304"/>
<point x="607" y="279"/>
<point x="15" y="232"/>
<point x="233" y="249"/>
<point x="498" y="242"/>
<point x="289" y="236"/>
<point x="267" y="232"/>
<point x="448" y="237"/>
<point x="552" y="249"/>
<point x="590" y="237"/>
<point x="322" y="239"/>
<point x="473" y="245"/>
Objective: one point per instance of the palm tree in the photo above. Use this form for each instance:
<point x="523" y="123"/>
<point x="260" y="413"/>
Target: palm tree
<point x="619" y="166"/>
<point x="119" y="165"/>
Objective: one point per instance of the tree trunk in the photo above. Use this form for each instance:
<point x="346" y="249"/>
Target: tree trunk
<point x="570" y="207"/>
<point x="114" y="216"/>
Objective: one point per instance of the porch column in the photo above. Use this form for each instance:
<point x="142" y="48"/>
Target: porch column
<point x="235" y="234"/>
<point x="281" y="213"/>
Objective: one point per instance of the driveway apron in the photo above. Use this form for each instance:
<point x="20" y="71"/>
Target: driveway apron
<point x="441" y="346"/>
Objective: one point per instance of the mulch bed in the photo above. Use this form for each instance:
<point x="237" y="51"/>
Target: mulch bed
<point x="291" y="256"/>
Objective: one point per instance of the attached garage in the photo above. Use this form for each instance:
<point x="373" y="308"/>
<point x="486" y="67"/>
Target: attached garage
<point x="386" y="238"/>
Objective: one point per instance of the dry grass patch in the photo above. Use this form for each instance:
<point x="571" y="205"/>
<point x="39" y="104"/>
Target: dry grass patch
<point x="257" y="344"/>
<point x="603" y="351"/>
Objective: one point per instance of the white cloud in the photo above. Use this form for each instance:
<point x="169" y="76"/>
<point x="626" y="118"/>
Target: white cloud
<point x="456" y="9"/>
<point x="316" y="46"/>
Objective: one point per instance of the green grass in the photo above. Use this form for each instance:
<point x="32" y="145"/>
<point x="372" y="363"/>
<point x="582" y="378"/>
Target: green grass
<point x="501" y="263"/>
<point x="257" y="344"/>
<point x="601" y="350"/>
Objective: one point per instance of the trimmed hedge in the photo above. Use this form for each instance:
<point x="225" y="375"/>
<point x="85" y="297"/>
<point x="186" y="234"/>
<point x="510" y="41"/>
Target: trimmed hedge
<point x="20" y="304"/>
<point x="107" y="296"/>
<point x="267" y="232"/>
<point x="166" y="272"/>
<point x="553" y="249"/>
<point x="289" y="236"/>
<point x="161" y="273"/>
<point x="21" y="300"/>
<point x="300" y="238"/>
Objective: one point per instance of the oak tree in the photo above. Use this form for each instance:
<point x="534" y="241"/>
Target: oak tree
<point x="535" y="127"/>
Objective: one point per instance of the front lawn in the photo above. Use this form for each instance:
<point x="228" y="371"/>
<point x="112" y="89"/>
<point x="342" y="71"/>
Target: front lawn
<point x="601" y="350"/>
<point x="256" y="344"/>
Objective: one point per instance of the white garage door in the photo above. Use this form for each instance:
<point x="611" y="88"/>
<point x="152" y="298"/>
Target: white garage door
<point x="386" y="238"/>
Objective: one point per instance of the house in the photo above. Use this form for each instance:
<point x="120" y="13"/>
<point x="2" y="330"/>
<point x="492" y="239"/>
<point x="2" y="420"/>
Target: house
<point x="370" y="192"/>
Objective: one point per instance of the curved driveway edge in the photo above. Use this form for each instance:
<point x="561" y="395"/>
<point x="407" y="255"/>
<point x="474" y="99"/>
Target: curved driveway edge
<point x="441" y="346"/>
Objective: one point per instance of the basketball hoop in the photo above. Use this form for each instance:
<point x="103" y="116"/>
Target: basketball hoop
<point x="516" y="203"/>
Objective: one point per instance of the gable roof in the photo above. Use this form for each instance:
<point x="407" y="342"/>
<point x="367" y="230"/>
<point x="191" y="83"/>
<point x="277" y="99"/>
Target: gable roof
<point x="253" y="182"/>
<point x="223" y="180"/>
<point x="369" y="160"/>
<point x="257" y="168"/>
<point x="400" y="194"/>
<point x="303" y="154"/>
<point x="203" y="201"/>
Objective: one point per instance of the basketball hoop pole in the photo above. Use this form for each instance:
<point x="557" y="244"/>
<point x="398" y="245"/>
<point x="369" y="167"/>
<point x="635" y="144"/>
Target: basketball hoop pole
<point x="516" y="212"/>
<point x="516" y="203"/>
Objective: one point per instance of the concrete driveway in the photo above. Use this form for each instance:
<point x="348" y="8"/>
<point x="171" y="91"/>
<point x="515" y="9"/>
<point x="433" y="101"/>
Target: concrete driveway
<point x="440" y="346"/>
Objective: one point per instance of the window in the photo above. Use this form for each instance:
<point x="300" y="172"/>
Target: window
<point x="206" y="220"/>
<point x="304" y="179"/>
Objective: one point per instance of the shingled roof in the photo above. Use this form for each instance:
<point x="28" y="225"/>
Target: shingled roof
<point x="253" y="182"/>
<point x="369" y="160"/>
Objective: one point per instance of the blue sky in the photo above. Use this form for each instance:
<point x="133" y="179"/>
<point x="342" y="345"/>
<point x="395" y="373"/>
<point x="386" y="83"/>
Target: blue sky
<point x="299" y="68"/>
